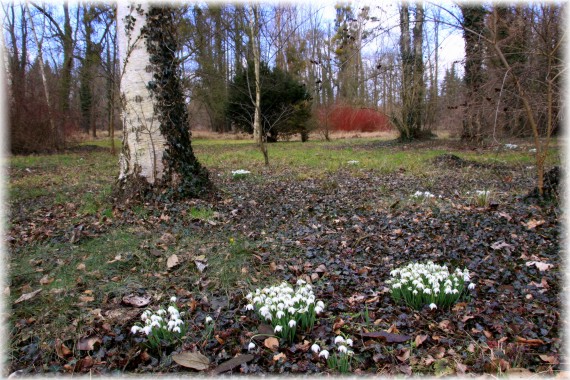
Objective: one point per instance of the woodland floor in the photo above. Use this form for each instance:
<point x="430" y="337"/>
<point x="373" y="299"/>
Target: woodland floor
<point x="74" y="256"/>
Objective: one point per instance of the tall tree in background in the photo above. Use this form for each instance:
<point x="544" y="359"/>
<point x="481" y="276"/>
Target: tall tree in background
<point x="258" y="136"/>
<point x="412" y="93"/>
<point x="474" y="128"/>
<point x="156" y="138"/>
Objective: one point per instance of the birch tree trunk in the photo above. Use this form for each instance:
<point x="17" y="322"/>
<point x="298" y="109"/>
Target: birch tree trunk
<point x="156" y="137"/>
<point x="143" y="144"/>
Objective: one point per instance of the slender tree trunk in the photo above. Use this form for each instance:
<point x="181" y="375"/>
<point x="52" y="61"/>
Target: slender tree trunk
<point x="258" y="133"/>
<point x="43" y="73"/>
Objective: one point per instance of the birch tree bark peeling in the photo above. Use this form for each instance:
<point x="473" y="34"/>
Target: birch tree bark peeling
<point x="143" y="143"/>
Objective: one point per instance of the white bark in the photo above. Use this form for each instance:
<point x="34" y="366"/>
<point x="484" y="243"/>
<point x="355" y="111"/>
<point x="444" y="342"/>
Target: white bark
<point x="143" y="143"/>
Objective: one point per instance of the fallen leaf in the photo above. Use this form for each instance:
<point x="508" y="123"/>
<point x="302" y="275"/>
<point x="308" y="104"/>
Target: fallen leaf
<point x="172" y="261"/>
<point x="321" y="269"/>
<point x="45" y="280"/>
<point x="271" y="343"/>
<point x="540" y="265"/>
<point x="405" y="355"/>
<point x="389" y="337"/>
<point x="87" y="343"/>
<point x="501" y="244"/>
<point x="466" y="318"/>
<point x="136" y="301"/>
<point x="519" y="372"/>
<point x="461" y="368"/>
<point x="549" y="359"/>
<point x="272" y="266"/>
<point x="280" y="355"/>
<point x="533" y="223"/>
<point x="27" y="296"/>
<point x="201" y="265"/>
<point x="86" y="298"/>
<point x="232" y="363"/>
<point x="61" y="349"/>
<point x="80" y="266"/>
<point x="529" y="342"/>
<point x="420" y="339"/>
<point x="338" y="324"/>
<point x="194" y="360"/>
<point x="265" y="329"/>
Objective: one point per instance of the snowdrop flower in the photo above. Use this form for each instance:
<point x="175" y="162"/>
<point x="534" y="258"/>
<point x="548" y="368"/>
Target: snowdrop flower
<point x="324" y="354"/>
<point x="161" y="312"/>
<point x="147" y="330"/>
<point x="172" y="299"/>
<point x="455" y="291"/>
<point x="349" y="342"/>
<point x="251" y="346"/>
<point x="415" y="292"/>
<point x="342" y="349"/>
<point x="315" y="348"/>
<point x="432" y="306"/>
<point x="135" y="329"/>
<point x="249" y="307"/>
<point x="278" y="328"/>
<point x="155" y="324"/>
<point x="321" y="304"/>
<point x="339" y="339"/>
<point x="318" y="310"/>
<point x="301" y="282"/>
<point x="292" y="323"/>
<point x="172" y="310"/>
<point x="292" y="310"/>
<point x="471" y="286"/>
<point x="208" y="319"/>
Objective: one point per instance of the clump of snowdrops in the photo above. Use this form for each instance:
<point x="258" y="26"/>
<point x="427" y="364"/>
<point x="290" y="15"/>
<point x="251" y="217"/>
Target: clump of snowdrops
<point x="422" y="195"/>
<point x="240" y="173"/>
<point x="287" y="309"/>
<point x="341" y="358"/>
<point x="421" y="284"/>
<point x="162" y="327"/>
<point x="482" y="197"/>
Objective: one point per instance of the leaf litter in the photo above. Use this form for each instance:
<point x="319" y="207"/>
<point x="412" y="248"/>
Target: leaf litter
<point x="339" y="232"/>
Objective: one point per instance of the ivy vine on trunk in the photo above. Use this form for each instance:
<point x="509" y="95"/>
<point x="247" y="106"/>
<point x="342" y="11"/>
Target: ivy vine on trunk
<point x="182" y="168"/>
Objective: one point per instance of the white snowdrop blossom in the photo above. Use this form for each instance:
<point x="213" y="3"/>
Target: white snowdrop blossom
<point x="250" y="346"/>
<point x="471" y="286"/>
<point x="342" y="349"/>
<point x="240" y="173"/>
<point x="172" y="299"/>
<point x="324" y="354"/>
<point x="339" y="339"/>
<point x="420" y="284"/>
<point x="315" y="348"/>
<point x="287" y="307"/>
<point x="349" y="342"/>
<point x="161" y="325"/>
<point x="208" y="319"/>
<point x="422" y="195"/>
<point x="511" y="146"/>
